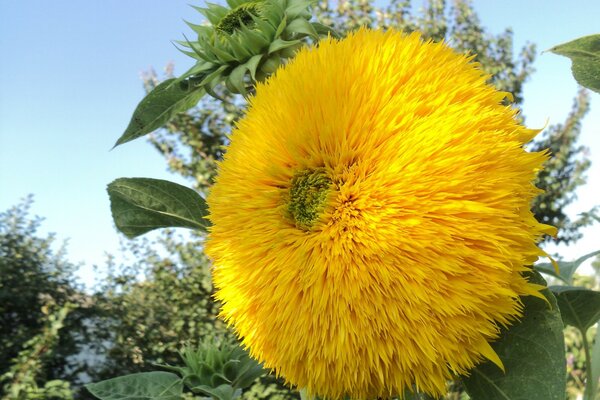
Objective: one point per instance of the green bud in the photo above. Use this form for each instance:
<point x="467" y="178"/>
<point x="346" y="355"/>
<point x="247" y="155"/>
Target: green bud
<point x="238" y="17"/>
<point x="247" y="39"/>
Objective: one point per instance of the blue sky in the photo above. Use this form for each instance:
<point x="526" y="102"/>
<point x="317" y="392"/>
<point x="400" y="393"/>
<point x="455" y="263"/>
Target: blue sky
<point x="70" y="79"/>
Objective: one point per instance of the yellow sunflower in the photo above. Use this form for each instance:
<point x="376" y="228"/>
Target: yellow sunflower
<point x="371" y="218"/>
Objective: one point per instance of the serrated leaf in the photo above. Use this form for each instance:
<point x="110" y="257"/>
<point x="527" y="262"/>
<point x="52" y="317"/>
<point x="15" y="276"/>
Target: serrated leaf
<point x="533" y="355"/>
<point x="584" y="53"/>
<point x="140" y="205"/>
<point x="159" y="106"/>
<point x="567" y="268"/>
<point x="579" y="307"/>
<point x="142" y="386"/>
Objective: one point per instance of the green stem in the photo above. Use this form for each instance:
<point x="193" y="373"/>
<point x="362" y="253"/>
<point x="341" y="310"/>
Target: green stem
<point x="589" y="380"/>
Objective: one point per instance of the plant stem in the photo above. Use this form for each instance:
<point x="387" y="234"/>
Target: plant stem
<point x="589" y="380"/>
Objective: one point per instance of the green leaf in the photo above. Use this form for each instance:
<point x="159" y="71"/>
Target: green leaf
<point x="279" y="44"/>
<point x="585" y="57"/>
<point x="567" y="268"/>
<point x="141" y="386"/>
<point x="326" y="30"/>
<point x="222" y="392"/>
<point x="159" y="106"/>
<point x="533" y="355"/>
<point x="579" y="307"/>
<point x="251" y="371"/>
<point x="303" y="27"/>
<point x="140" y="205"/>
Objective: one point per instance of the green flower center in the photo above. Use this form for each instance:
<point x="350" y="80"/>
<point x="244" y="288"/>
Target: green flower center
<point x="307" y="197"/>
<point x="241" y="15"/>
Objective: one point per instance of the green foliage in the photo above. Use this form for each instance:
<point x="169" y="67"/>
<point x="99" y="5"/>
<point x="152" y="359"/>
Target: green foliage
<point x="532" y="352"/>
<point x="20" y="381"/>
<point x="585" y="55"/>
<point x="214" y="370"/>
<point x="140" y="205"/>
<point x="579" y="307"/>
<point x="245" y="41"/>
<point x="564" y="172"/>
<point x="36" y="280"/>
<point x="151" y="308"/>
<point x="269" y="387"/>
<point x="226" y="368"/>
<point x="193" y="142"/>
<point x="228" y="51"/>
<point x="566" y="269"/>
<point x="145" y="385"/>
<point x="583" y="358"/>
<point x="159" y="106"/>
<point x="595" y="358"/>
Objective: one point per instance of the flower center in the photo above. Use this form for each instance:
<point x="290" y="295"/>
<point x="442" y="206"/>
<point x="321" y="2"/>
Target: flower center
<point x="307" y="197"/>
<point x="234" y="19"/>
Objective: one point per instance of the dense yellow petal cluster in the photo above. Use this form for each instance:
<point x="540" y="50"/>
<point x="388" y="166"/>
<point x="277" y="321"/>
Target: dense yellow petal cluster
<point x="371" y="218"/>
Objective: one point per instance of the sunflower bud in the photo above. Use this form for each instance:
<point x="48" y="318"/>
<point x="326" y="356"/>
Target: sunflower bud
<point x="247" y="41"/>
<point x="218" y="371"/>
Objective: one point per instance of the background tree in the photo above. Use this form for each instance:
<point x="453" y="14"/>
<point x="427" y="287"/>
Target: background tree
<point x="149" y="310"/>
<point x="36" y="283"/>
<point x="564" y="172"/>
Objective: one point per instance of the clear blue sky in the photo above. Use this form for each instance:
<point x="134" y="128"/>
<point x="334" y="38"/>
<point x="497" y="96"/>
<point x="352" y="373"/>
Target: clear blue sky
<point x="70" y="79"/>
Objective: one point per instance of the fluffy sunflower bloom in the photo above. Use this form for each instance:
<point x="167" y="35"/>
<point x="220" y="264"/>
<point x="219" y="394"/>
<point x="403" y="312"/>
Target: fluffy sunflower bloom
<point x="371" y="218"/>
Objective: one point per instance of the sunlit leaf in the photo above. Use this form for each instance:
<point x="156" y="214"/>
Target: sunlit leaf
<point x="140" y="205"/>
<point x="145" y="385"/>
<point x="585" y="57"/>
<point x="159" y="106"/>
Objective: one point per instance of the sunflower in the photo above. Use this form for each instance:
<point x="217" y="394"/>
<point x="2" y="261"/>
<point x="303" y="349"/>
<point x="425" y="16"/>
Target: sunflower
<point x="371" y="218"/>
<point x="246" y="40"/>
